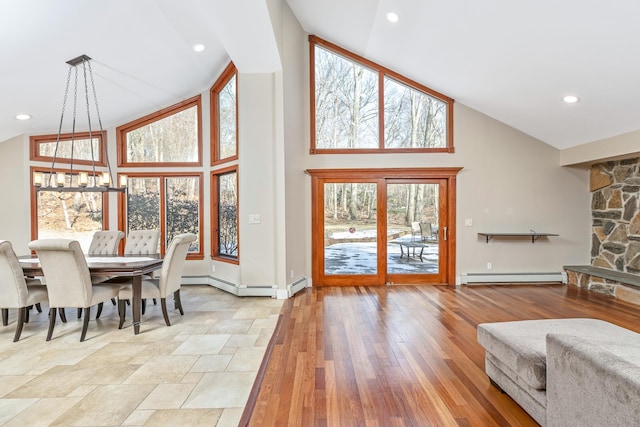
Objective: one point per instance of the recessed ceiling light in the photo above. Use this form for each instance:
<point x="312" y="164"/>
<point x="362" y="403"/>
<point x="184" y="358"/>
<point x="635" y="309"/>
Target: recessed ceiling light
<point x="23" y="117"/>
<point x="392" y="17"/>
<point x="198" y="47"/>
<point x="571" y="99"/>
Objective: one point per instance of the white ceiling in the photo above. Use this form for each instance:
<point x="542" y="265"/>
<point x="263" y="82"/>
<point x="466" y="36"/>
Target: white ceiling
<point x="512" y="60"/>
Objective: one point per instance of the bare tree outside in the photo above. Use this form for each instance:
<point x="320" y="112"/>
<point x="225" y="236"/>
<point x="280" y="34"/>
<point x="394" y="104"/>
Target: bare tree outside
<point x="413" y="119"/>
<point x="82" y="149"/>
<point x="171" y="139"/>
<point x="182" y="208"/>
<point x="227" y="120"/>
<point x="69" y="215"/>
<point x="346" y="96"/>
<point x="227" y="214"/>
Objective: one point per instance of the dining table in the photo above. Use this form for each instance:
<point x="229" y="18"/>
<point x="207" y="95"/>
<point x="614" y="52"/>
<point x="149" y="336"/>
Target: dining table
<point x="122" y="266"/>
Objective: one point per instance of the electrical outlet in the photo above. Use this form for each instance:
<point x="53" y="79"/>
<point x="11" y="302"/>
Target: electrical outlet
<point x="489" y="266"/>
<point x="213" y="268"/>
<point x="291" y="274"/>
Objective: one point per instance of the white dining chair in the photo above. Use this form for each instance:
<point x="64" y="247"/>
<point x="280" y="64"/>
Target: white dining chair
<point x="105" y="242"/>
<point x="142" y="242"/>
<point x="68" y="280"/>
<point x="15" y="290"/>
<point x="169" y="281"/>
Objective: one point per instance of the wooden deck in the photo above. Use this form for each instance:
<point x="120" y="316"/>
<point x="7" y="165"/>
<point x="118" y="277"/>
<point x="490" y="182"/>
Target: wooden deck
<point x="403" y="355"/>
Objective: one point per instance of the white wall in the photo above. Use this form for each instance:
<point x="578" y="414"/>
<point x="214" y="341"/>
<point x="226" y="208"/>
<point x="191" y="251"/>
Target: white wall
<point x="625" y="145"/>
<point x="14" y="193"/>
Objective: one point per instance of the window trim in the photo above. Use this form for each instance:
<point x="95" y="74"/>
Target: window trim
<point x="36" y="140"/>
<point x="382" y="72"/>
<point x="34" y="200"/>
<point x="121" y="133"/>
<point x="215" y="227"/>
<point x="122" y="213"/>
<point x="214" y="95"/>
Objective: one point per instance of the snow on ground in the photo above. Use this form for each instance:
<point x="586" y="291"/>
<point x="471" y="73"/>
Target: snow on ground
<point x="361" y="257"/>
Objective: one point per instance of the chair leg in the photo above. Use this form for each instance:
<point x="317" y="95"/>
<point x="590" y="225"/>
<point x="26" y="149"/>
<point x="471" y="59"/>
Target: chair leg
<point x="26" y="314"/>
<point x="121" y="311"/>
<point x="155" y="302"/>
<point x="22" y="313"/>
<point x="163" y="304"/>
<point x="63" y="316"/>
<point x="5" y="316"/>
<point x="113" y="301"/>
<point x="79" y="313"/>
<point x="178" y="301"/>
<point x="144" y="305"/>
<point x="39" y="307"/>
<point x="52" y="321"/>
<point x="99" y="311"/>
<point x="85" y="323"/>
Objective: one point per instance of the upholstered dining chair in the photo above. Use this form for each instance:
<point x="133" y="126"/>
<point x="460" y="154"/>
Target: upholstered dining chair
<point x="15" y="290"/>
<point x="169" y="281"/>
<point x="105" y="242"/>
<point x="142" y="242"/>
<point x="68" y="280"/>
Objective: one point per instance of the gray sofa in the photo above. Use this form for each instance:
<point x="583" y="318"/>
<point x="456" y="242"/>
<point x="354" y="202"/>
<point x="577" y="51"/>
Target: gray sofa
<point x="566" y="372"/>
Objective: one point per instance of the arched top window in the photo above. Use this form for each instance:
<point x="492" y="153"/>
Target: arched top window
<point x="359" y="106"/>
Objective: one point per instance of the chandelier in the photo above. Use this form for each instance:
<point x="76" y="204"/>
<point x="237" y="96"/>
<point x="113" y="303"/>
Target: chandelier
<point x="69" y="180"/>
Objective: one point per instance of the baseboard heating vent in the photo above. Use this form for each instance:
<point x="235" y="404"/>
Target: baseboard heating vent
<point x="479" y="278"/>
<point x="297" y="286"/>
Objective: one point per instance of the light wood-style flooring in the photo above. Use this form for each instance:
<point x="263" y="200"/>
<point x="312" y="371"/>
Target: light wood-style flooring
<point x="403" y="355"/>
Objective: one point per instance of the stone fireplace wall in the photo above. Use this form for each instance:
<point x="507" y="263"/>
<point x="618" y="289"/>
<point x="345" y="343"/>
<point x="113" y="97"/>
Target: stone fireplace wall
<point x="615" y="239"/>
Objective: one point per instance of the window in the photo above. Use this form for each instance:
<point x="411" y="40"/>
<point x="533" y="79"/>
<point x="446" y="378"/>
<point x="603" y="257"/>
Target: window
<point x="360" y="106"/>
<point x="169" y="137"/>
<point x="169" y="202"/>
<point x="67" y="215"/>
<point x="224" y="117"/>
<point x="224" y="215"/>
<point x="43" y="148"/>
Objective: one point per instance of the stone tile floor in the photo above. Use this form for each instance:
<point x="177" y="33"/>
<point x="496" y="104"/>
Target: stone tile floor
<point x="198" y="372"/>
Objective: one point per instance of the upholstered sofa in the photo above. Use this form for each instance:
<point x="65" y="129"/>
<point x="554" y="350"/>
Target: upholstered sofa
<point x="566" y="372"/>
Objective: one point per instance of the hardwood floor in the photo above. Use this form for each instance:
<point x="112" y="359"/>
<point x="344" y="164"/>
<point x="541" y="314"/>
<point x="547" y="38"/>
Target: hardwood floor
<point x="403" y="355"/>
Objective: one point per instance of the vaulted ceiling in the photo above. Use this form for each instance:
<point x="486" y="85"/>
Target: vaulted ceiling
<point x="513" y="61"/>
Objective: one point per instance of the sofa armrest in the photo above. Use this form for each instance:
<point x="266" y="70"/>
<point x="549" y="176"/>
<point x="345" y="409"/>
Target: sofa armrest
<point x="587" y="384"/>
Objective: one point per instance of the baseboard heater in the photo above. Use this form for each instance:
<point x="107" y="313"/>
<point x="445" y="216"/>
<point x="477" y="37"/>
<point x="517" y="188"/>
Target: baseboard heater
<point x="478" y="278"/>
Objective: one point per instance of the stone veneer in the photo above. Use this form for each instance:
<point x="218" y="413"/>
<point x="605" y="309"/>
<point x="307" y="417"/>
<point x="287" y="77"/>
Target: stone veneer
<point x="615" y="238"/>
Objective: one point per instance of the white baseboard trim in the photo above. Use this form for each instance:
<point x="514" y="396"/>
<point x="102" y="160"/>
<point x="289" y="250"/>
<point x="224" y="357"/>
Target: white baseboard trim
<point x="497" y="278"/>
<point x="248" y="290"/>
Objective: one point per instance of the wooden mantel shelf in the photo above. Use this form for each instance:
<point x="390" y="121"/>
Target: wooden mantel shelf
<point x="533" y="234"/>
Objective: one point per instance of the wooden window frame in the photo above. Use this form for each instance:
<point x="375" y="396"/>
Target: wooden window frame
<point x="122" y="204"/>
<point x="214" y="97"/>
<point x="36" y="140"/>
<point x="121" y="133"/>
<point x="382" y="73"/>
<point x="34" y="199"/>
<point x="215" y="229"/>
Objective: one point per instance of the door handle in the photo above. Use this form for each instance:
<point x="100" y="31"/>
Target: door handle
<point x="444" y="233"/>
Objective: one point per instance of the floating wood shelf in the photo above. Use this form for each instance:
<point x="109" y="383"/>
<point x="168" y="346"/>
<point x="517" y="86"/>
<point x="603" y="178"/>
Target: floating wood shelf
<point x="534" y="235"/>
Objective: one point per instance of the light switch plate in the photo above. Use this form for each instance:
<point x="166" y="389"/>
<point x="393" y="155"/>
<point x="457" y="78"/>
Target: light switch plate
<point x="254" y="219"/>
<point x="468" y="222"/>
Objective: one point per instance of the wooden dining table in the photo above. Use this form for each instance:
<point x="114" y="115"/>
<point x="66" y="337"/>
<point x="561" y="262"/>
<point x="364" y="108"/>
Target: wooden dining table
<point x="133" y="266"/>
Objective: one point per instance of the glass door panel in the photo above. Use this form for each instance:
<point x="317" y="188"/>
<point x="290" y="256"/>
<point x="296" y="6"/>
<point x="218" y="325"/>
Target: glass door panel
<point x="412" y="228"/>
<point x="350" y="228"/>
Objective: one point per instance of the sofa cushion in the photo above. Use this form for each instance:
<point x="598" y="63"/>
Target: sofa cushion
<point x="521" y="345"/>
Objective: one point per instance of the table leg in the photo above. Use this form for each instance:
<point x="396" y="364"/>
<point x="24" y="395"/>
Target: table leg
<point x="402" y="251"/>
<point x="136" y="302"/>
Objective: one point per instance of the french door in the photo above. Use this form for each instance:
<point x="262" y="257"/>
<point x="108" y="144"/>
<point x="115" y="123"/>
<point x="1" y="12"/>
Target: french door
<point x="378" y="226"/>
